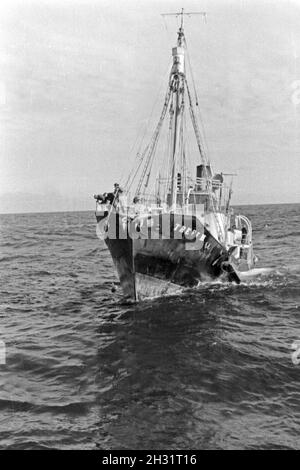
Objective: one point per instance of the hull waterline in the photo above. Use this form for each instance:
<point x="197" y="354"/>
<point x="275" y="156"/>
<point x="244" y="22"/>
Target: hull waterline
<point x="150" y="268"/>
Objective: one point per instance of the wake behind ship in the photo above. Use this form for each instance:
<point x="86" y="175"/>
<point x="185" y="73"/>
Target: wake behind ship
<point x="171" y="225"/>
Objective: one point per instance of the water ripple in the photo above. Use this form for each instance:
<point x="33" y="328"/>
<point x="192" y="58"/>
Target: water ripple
<point x="211" y="368"/>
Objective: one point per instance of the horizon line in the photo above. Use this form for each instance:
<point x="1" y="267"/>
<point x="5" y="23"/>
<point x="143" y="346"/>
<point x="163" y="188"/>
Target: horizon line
<point x="93" y="210"/>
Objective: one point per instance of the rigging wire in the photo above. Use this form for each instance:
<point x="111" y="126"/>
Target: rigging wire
<point x="195" y="125"/>
<point x="196" y="98"/>
<point x="166" y="74"/>
<point x="154" y="140"/>
<point x="131" y="176"/>
<point x="141" y="138"/>
<point x="205" y="161"/>
<point x="148" y="155"/>
<point x="162" y="171"/>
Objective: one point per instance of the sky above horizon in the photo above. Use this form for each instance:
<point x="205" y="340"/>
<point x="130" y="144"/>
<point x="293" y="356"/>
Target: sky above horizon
<point x="79" y="79"/>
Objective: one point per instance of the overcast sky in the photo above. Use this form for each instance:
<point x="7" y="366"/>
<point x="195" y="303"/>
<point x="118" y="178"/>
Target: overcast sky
<point x="79" y="79"/>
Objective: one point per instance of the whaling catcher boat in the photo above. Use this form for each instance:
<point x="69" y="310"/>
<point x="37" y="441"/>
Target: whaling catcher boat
<point x="171" y="225"/>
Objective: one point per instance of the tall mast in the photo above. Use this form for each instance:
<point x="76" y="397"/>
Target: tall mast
<point x="177" y="88"/>
<point x="175" y="98"/>
<point x="177" y="80"/>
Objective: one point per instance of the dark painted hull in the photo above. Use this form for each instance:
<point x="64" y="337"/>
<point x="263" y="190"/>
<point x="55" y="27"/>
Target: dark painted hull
<point x="150" y="267"/>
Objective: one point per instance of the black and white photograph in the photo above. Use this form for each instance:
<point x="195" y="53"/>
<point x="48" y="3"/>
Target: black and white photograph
<point x="149" y="227"/>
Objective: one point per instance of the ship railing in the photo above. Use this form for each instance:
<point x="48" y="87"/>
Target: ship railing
<point x="213" y="188"/>
<point x="145" y="203"/>
<point x="205" y="183"/>
<point x="246" y="242"/>
<point x="209" y="183"/>
<point x="242" y="220"/>
<point x="153" y="203"/>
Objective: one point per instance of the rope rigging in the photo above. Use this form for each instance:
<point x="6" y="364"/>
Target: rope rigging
<point x="176" y="150"/>
<point x="154" y="141"/>
<point x="195" y="126"/>
<point x="196" y="96"/>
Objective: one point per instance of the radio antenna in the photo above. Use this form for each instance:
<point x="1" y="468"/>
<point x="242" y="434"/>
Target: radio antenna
<point x="182" y="14"/>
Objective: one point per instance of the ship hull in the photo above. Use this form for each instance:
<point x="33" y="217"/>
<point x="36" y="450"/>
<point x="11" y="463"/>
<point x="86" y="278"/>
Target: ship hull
<point x="162" y="265"/>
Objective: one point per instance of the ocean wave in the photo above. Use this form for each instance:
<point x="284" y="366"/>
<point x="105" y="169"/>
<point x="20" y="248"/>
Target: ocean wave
<point x="211" y="367"/>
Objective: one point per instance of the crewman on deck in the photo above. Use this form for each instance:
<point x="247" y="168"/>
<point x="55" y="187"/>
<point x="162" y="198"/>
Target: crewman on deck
<point x="117" y="189"/>
<point x="120" y="199"/>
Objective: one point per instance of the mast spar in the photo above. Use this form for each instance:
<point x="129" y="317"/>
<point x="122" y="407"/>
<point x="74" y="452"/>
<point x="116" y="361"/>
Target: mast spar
<point x="182" y="14"/>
